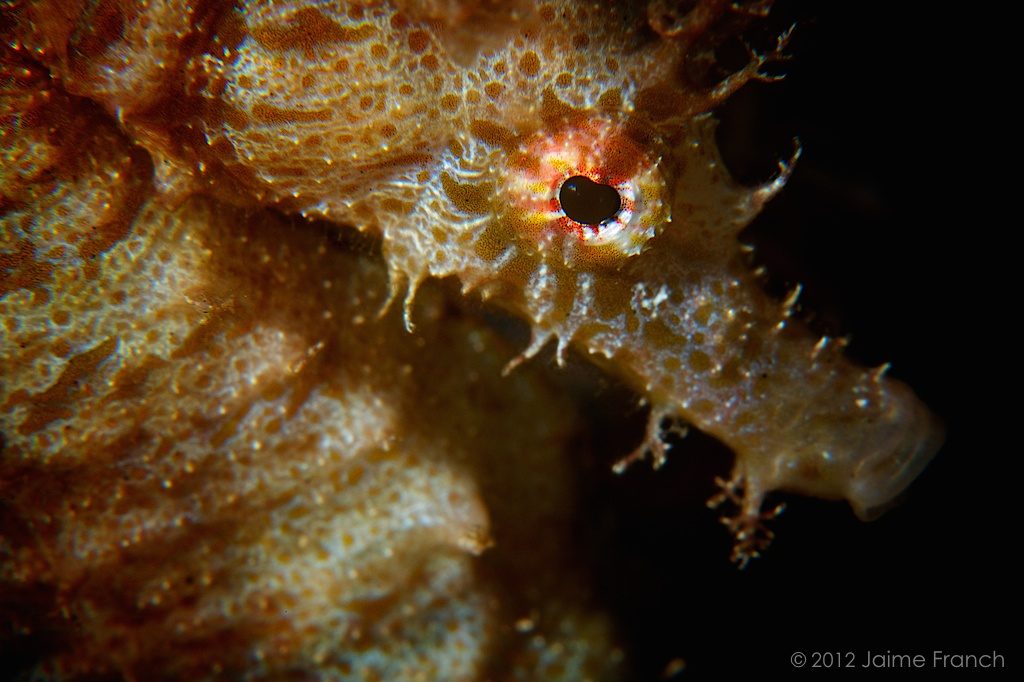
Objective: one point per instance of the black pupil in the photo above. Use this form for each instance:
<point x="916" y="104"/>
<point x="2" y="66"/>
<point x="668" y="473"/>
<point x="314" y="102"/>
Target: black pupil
<point x="588" y="202"/>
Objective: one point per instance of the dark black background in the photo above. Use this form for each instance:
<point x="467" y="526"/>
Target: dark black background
<point x="882" y="226"/>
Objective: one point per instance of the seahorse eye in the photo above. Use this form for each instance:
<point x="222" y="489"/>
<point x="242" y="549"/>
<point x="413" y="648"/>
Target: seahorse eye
<point x="591" y="191"/>
<point x="588" y="202"/>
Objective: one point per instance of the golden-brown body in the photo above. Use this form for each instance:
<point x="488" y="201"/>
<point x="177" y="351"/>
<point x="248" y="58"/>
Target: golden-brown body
<point x="191" y="382"/>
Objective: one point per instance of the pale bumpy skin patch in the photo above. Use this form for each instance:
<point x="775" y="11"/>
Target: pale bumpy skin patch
<point x="217" y="463"/>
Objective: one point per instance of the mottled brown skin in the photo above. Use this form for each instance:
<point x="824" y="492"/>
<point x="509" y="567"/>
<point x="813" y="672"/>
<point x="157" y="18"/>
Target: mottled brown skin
<point x="143" y="147"/>
<point x="217" y="461"/>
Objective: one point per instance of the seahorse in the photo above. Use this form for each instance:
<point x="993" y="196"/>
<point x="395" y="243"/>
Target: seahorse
<point x="556" y="158"/>
<point x="559" y="159"/>
<point x="566" y="169"/>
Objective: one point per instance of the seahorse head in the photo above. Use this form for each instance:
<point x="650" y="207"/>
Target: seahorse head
<point x="559" y="158"/>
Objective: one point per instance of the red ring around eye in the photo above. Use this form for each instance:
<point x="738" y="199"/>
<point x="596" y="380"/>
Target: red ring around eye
<point x="590" y="162"/>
